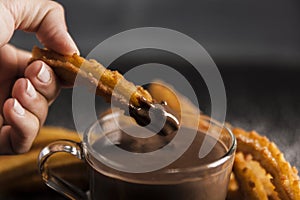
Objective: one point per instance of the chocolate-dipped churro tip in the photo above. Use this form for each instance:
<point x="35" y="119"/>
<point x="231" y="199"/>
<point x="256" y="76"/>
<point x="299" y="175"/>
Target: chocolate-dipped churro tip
<point x="151" y="114"/>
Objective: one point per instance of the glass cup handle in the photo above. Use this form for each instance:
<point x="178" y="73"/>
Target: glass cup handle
<point x="53" y="181"/>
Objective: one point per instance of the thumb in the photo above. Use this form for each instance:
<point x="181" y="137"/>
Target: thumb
<point x="7" y="25"/>
<point x="45" y="18"/>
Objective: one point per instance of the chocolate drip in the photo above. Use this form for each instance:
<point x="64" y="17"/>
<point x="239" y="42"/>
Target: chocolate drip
<point x="157" y="112"/>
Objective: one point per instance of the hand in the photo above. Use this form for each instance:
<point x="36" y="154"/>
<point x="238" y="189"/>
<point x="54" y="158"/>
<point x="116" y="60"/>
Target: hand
<point x="27" y="91"/>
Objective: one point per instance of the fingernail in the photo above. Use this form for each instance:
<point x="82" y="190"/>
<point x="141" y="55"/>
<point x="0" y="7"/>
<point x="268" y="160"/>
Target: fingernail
<point x="30" y="89"/>
<point x="18" y="108"/>
<point x="72" y="44"/>
<point x="44" y="75"/>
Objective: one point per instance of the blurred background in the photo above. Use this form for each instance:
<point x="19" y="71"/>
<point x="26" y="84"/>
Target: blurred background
<point x="255" y="44"/>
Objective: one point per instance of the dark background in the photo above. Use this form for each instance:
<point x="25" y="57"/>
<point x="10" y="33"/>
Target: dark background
<point x="255" y="44"/>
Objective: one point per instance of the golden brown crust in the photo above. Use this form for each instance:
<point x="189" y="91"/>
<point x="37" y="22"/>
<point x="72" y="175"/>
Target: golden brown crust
<point x="254" y="174"/>
<point x="263" y="177"/>
<point x="284" y="177"/>
<point x="249" y="183"/>
<point x="110" y="84"/>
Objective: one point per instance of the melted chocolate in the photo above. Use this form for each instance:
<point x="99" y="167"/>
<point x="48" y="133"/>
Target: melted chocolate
<point x="157" y="112"/>
<point x="116" y="185"/>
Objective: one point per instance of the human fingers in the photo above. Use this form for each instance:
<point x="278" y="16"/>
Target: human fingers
<point x="30" y="99"/>
<point x="12" y="65"/>
<point x="20" y="129"/>
<point x="43" y="79"/>
<point x="7" y="24"/>
<point x="13" y="61"/>
<point x="45" y="18"/>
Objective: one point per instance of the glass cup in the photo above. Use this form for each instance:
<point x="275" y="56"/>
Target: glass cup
<point x="117" y="173"/>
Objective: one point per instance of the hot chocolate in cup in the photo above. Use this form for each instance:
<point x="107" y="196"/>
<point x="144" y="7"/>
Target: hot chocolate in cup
<point x="125" y="166"/>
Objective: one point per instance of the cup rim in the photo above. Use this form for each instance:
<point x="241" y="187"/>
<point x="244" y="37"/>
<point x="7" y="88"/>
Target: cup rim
<point x="214" y="164"/>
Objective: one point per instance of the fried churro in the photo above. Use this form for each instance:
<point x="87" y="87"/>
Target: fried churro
<point x="112" y="86"/>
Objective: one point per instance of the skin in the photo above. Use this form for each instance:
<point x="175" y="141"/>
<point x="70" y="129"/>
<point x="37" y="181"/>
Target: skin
<point x="23" y="111"/>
